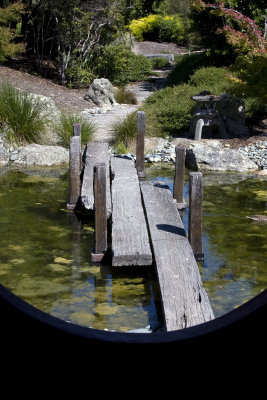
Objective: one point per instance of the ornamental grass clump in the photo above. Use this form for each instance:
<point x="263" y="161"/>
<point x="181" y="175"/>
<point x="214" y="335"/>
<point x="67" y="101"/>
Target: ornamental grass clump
<point x="125" y="131"/>
<point x="64" y="128"/>
<point x="23" y="119"/>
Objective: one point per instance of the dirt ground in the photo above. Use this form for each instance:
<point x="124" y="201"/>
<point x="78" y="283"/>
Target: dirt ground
<point x="73" y="99"/>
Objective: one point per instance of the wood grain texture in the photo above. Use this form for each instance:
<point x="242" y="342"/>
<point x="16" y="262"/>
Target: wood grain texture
<point x="96" y="153"/>
<point x="140" y="144"/>
<point x="184" y="300"/>
<point x="100" y="208"/>
<point x="178" y="184"/>
<point x="195" y="214"/>
<point x="75" y="169"/>
<point x="130" y="240"/>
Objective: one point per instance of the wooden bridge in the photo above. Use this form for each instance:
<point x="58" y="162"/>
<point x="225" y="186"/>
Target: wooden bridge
<point x="146" y="228"/>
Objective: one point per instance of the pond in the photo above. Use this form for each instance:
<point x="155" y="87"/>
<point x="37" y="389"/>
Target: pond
<point x="45" y="250"/>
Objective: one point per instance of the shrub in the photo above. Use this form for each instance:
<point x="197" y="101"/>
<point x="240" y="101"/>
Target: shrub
<point x="8" y="17"/>
<point x="171" y="29"/>
<point x="159" y="62"/>
<point x="145" y="25"/>
<point x="120" y="65"/>
<point x="140" y="67"/>
<point x="211" y="78"/>
<point x="23" y="117"/>
<point x="168" y="28"/>
<point x="170" y="110"/>
<point x="249" y="80"/>
<point x="64" y="128"/>
<point x="78" y="75"/>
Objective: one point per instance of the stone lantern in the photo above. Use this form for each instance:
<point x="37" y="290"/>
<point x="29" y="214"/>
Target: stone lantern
<point x="206" y="115"/>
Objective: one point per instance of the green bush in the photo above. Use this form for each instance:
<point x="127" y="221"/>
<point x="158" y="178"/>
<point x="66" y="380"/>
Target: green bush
<point x="171" y="29"/>
<point x="249" y="81"/>
<point x="159" y="62"/>
<point x="64" y="128"/>
<point x="140" y="67"/>
<point x="120" y="65"/>
<point x="211" y="78"/>
<point x="24" y="118"/>
<point x="168" y="28"/>
<point x="78" y="75"/>
<point x="170" y="110"/>
<point x="186" y="65"/>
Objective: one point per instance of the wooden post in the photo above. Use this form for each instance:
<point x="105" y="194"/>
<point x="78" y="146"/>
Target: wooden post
<point x="75" y="171"/>
<point x="77" y="129"/>
<point x="140" y="144"/>
<point x="100" y="212"/>
<point x="195" y="214"/>
<point x="178" y="186"/>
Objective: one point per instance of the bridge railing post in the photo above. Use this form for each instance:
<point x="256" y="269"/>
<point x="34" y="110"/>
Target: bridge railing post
<point x="195" y="214"/>
<point x="140" y="144"/>
<point x="77" y="131"/>
<point x="75" y="171"/>
<point x="178" y="185"/>
<point x="100" y="209"/>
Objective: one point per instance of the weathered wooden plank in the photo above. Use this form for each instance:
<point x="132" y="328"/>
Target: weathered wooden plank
<point x="140" y="144"/>
<point x="75" y="171"/>
<point x="178" y="185"/>
<point x="130" y="241"/>
<point x="100" y="212"/>
<point x="96" y="153"/>
<point x="195" y="214"/>
<point x="184" y="299"/>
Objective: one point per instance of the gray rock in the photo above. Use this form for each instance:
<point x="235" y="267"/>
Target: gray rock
<point x="101" y="92"/>
<point x="42" y="155"/>
<point x="214" y="157"/>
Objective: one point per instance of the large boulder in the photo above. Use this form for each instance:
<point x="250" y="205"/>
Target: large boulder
<point x="36" y="154"/>
<point x="101" y="92"/>
<point x="214" y="157"/>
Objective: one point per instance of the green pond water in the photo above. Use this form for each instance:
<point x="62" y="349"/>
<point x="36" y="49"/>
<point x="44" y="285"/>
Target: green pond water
<point x="45" y="250"/>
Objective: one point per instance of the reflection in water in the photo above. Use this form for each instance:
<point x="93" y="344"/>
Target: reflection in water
<point x="45" y="250"/>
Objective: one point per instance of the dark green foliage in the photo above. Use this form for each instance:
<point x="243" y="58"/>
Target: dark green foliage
<point x="186" y="65"/>
<point x="159" y="62"/>
<point x="120" y="65"/>
<point x="9" y="17"/>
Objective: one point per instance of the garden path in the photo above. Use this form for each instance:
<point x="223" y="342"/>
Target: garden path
<point x="142" y="90"/>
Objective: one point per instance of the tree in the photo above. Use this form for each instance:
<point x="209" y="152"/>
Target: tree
<point x="69" y="30"/>
<point x="9" y="16"/>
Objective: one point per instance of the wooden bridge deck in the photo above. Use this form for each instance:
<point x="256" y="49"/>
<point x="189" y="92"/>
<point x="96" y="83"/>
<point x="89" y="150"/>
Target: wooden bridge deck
<point x="96" y="152"/>
<point x="146" y="229"/>
<point x="185" y="302"/>
<point x="130" y="241"/>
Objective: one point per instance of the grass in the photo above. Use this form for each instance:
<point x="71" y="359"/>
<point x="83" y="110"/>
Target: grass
<point x="125" y="132"/>
<point x="23" y="119"/>
<point x="64" y="128"/>
<point x="124" y="96"/>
